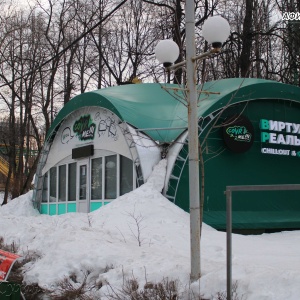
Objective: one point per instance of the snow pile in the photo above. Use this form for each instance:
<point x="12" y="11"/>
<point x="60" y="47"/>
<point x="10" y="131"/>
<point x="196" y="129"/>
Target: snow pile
<point x="21" y="206"/>
<point x="142" y="234"/>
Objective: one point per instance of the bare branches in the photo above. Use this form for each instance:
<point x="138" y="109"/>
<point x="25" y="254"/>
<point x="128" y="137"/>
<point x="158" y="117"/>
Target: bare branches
<point x="137" y="227"/>
<point x="160" y="4"/>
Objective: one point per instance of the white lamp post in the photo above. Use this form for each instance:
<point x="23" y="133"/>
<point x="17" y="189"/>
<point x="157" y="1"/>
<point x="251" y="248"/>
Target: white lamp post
<point x="215" y="30"/>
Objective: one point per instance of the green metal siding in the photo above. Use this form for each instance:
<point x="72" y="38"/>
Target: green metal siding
<point x="251" y="210"/>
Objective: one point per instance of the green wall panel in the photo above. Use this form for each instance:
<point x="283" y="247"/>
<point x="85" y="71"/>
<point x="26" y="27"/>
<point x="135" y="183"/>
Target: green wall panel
<point x="52" y="209"/>
<point x="95" y="205"/>
<point x="62" y="208"/>
<point x="44" y="209"/>
<point x="71" y="207"/>
<point x="223" y="167"/>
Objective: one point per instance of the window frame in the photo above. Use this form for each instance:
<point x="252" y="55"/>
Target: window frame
<point x="66" y="162"/>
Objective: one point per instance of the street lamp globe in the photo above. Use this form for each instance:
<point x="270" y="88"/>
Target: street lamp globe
<point x="166" y="52"/>
<point x="216" y="30"/>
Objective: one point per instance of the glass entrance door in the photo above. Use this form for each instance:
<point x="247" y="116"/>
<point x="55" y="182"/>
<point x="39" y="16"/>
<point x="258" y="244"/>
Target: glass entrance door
<point x="83" y="196"/>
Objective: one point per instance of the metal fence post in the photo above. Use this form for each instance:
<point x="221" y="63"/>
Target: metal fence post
<point x="228" y="192"/>
<point x="229" y="241"/>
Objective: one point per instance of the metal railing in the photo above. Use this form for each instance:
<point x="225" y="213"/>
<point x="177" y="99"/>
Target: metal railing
<point x="242" y="188"/>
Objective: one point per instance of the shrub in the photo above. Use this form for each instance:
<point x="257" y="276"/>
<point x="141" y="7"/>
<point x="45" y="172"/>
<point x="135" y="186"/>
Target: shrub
<point x="165" y="290"/>
<point x="71" y="288"/>
<point x="30" y="291"/>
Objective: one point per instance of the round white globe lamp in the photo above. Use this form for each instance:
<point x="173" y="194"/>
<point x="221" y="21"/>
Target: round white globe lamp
<point x="166" y="52"/>
<point x="216" y="30"/>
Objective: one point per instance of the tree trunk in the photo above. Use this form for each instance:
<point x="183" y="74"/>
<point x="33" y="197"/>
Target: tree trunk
<point x="244" y="61"/>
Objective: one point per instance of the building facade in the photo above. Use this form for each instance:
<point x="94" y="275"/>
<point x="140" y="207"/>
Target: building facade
<point x="105" y="143"/>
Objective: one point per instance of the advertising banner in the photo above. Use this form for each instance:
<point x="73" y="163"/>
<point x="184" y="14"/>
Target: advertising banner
<point x="7" y="260"/>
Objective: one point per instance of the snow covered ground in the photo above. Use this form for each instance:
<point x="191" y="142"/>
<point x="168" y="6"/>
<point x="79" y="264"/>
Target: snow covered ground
<point x="106" y="243"/>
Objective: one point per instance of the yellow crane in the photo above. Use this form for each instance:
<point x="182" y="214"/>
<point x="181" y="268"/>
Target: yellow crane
<point x="4" y="166"/>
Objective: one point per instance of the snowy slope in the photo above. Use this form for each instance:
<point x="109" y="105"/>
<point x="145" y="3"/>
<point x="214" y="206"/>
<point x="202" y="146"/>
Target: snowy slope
<point x="142" y="234"/>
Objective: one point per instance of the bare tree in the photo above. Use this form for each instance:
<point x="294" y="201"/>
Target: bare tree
<point x="58" y="48"/>
<point x="19" y="55"/>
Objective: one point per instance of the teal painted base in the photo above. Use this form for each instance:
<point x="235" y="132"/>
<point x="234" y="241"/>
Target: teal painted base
<point x="61" y="208"/>
<point x="71" y="207"/>
<point x="52" y="209"/>
<point x="44" y="209"/>
<point x="95" y="205"/>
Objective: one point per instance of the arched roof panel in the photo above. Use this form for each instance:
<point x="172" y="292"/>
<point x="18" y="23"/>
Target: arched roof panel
<point x="159" y="110"/>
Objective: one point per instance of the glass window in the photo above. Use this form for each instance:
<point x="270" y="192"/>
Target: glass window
<point x="82" y="182"/>
<point x="96" y="180"/>
<point x="45" y="188"/>
<point x="111" y="177"/>
<point x="53" y="184"/>
<point x="126" y="175"/>
<point x="139" y="178"/>
<point x="62" y="181"/>
<point x="72" y="182"/>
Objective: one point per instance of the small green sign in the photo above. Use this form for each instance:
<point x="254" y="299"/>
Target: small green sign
<point x="84" y="128"/>
<point x="239" y="133"/>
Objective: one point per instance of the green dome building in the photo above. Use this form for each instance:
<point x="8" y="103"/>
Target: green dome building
<point x="105" y="143"/>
